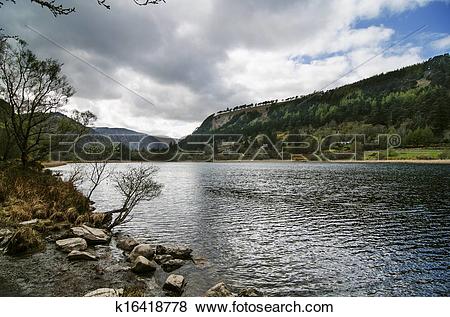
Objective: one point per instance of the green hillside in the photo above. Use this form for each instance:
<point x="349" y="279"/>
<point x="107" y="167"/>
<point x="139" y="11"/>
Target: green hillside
<point x="56" y="123"/>
<point x="413" y="102"/>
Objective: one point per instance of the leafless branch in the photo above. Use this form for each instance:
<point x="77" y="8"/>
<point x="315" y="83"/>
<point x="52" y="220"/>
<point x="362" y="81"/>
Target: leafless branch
<point x="76" y="176"/>
<point x="135" y="185"/>
<point x="58" y="9"/>
<point x="97" y="175"/>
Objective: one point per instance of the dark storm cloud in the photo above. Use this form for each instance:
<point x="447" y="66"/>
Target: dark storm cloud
<point x="179" y="55"/>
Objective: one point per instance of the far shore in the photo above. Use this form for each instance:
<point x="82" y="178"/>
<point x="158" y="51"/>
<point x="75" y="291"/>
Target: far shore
<point x="52" y="164"/>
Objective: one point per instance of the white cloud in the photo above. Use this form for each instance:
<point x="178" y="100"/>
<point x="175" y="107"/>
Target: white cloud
<point x="442" y="44"/>
<point x="194" y="58"/>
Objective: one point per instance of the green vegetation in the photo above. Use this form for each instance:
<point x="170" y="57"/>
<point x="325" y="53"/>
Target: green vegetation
<point x="413" y="102"/>
<point x="425" y="153"/>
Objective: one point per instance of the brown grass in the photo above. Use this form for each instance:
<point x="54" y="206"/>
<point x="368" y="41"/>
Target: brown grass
<point x="34" y="193"/>
<point x="24" y="240"/>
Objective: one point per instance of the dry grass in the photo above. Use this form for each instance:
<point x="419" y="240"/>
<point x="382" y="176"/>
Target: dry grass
<point x="24" y="240"/>
<point x="33" y="193"/>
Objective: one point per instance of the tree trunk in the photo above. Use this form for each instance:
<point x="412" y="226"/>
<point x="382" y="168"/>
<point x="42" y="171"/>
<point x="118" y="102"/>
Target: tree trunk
<point x="24" y="159"/>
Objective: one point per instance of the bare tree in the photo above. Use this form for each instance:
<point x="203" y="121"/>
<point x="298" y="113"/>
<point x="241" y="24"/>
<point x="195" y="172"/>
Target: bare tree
<point x="58" y="9"/>
<point x="135" y="185"/>
<point x="97" y="175"/>
<point x="76" y="176"/>
<point x="33" y="90"/>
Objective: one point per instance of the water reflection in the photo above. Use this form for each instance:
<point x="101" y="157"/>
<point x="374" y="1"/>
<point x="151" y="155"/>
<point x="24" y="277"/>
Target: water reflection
<point x="304" y="229"/>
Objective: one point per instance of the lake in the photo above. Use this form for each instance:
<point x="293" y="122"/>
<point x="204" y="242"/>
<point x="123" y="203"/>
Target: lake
<point x="302" y="229"/>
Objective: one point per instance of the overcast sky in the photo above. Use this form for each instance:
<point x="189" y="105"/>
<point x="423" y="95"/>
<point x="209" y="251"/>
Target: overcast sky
<point x="181" y="61"/>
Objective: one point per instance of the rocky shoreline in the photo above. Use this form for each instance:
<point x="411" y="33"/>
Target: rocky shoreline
<point x="93" y="262"/>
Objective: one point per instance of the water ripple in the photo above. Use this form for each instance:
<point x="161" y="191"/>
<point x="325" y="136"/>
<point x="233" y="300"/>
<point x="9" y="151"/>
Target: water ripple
<point x="304" y="229"/>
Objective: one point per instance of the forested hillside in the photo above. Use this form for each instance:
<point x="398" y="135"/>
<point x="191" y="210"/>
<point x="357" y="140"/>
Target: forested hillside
<point x="413" y="102"/>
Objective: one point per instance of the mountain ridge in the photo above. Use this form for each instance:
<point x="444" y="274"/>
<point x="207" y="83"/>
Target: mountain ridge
<point x="400" y="101"/>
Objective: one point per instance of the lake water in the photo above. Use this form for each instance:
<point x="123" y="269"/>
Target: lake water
<point x="303" y="229"/>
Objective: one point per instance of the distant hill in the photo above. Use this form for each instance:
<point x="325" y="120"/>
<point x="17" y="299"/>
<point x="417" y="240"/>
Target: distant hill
<point x="132" y="139"/>
<point x="413" y="102"/>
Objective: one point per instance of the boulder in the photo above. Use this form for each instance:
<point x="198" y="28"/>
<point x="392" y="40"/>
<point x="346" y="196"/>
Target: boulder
<point x="143" y="265"/>
<point x="162" y="258"/>
<point x="145" y="250"/>
<point x="219" y="290"/>
<point x="105" y="292"/>
<point x="249" y="292"/>
<point x="171" y="265"/>
<point x="72" y="244"/>
<point x="178" y="252"/>
<point x="81" y="256"/>
<point x="92" y="235"/>
<point x="174" y="284"/>
<point x="126" y="243"/>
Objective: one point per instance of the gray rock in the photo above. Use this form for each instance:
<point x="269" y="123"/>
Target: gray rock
<point x="171" y="265"/>
<point x="249" y="292"/>
<point x="145" y="250"/>
<point x="126" y="243"/>
<point x="92" y="235"/>
<point x="162" y="258"/>
<point x="105" y="292"/>
<point x="72" y="244"/>
<point x="175" y="284"/>
<point x="219" y="290"/>
<point x="143" y="265"/>
<point x="178" y="252"/>
<point x="81" y="256"/>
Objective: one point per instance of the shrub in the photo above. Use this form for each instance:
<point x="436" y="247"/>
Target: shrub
<point x="24" y="240"/>
<point x="424" y="157"/>
<point x="34" y="193"/>
<point x="445" y="155"/>
<point x="58" y="217"/>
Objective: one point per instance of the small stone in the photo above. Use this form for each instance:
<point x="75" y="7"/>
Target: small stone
<point x="249" y="292"/>
<point x="105" y="292"/>
<point x="171" y="265"/>
<point x="200" y="262"/>
<point x="81" y="256"/>
<point x="143" y="265"/>
<point x="175" y="284"/>
<point x="126" y="243"/>
<point x="72" y="244"/>
<point x="219" y="290"/>
<point x="145" y="250"/>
